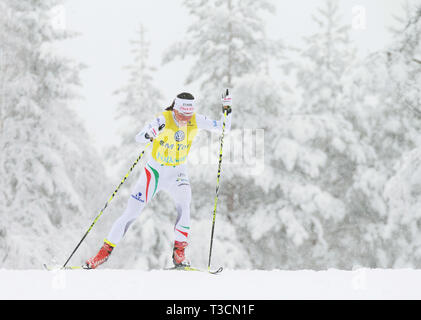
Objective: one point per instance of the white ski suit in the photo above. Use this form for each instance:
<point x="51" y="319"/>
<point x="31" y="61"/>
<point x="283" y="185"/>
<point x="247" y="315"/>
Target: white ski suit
<point x="166" y="170"/>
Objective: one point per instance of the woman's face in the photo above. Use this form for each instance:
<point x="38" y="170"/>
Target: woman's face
<point x="181" y="118"/>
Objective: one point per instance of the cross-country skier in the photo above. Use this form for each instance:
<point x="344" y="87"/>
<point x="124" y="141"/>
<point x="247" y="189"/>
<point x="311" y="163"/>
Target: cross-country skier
<point x="172" y="134"/>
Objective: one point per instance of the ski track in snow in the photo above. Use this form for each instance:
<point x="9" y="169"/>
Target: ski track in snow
<point x="229" y="285"/>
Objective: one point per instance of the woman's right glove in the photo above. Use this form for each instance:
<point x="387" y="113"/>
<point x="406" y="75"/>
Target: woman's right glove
<point x="153" y="131"/>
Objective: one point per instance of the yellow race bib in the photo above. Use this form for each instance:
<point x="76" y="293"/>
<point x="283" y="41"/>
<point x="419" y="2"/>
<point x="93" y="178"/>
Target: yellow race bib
<point x="172" y="145"/>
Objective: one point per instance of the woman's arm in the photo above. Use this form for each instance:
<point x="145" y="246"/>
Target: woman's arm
<point x="205" y="123"/>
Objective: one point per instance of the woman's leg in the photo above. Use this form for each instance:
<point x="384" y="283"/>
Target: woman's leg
<point x="142" y="193"/>
<point x="180" y="191"/>
<point x="181" y="195"/>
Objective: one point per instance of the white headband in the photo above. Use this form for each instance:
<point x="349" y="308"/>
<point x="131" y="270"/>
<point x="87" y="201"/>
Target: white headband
<point x="184" y="106"/>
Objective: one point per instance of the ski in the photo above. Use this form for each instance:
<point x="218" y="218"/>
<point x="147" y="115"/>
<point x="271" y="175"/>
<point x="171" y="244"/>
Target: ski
<point x="56" y="267"/>
<point x="185" y="268"/>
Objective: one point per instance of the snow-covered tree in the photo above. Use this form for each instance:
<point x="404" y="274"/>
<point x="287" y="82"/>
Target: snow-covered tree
<point x="229" y="48"/>
<point x="400" y="229"/>
<point x="141" y="101"/>
<point x="227" y="41"/>
<point x="314" y="154"/>
<point x="405" y="55"/>
<point x="327" y="56"/>
<point x="51" y="176"/>
<point x="148" y="243"/>
<point x="392" y="124"/>
<point x="381" y="95"/>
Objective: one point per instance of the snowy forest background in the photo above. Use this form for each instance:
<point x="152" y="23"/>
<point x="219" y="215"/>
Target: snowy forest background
<point x="334" y="181"/>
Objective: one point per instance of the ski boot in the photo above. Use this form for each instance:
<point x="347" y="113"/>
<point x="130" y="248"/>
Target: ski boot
<point x="178" y="256"/>
<point x="101" y="256"/>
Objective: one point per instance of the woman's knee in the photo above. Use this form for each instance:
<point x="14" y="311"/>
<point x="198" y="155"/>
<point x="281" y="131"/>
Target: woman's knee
<point x="134" y="207"/>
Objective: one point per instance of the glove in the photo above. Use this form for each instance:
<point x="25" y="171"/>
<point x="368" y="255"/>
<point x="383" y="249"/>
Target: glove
<point x="152" y="132"/>
<point x="226" y="102"/>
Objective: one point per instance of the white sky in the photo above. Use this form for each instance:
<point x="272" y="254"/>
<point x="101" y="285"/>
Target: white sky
<point x="107" y="26"/>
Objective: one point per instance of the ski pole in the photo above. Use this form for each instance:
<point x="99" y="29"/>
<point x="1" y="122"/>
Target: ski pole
<point x="106" y="204"/>
<point x="217" y="186"/>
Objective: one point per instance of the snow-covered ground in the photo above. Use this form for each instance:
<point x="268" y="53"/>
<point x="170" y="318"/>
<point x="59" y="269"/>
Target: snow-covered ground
<point x="229" y="285"/>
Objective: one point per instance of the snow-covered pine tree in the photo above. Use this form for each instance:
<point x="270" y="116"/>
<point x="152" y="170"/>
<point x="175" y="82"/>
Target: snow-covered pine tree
<point x="383" y="93"/>
<point x="406" y="54"/>
<point x="227" y="41"/>
<point x="400" y="240"/>
<point x="141" y="101"/>
<point x="381" y="96"/>
<point x="324" y="61"/>
<point x="228" y="45"/>
<point x="316" y="153"/>
<point x="51" y="176"/>
<point x="148" y="243"/>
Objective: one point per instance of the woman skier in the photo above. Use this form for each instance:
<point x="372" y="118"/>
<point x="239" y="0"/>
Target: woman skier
<point x="171" y="134"/>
